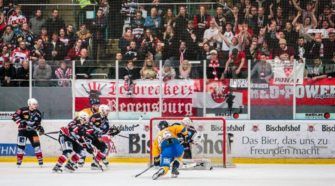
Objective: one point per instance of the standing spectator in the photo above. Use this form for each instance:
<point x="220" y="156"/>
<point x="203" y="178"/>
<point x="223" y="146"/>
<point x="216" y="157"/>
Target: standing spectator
<point x="327" y="16"/>
<point x="16" y="19"/>
<point x="137" y="26"/>
<point x="228" y="35"/>
<point x="129" y="71"/>
<point x="56" y="49"/>
<point x="215" y="66"/>
<point x="63" y="73"/>
<point x="220" y="18"/>
<point x="37" y="22"/>
<point x="183" y="53"/>
<point x="128" y="12"/>
<point x="7" y="73"/>
<point x="291" y="35"/>
<point x="8" y="36"/>
<point x="202" y="21"/>
<point x="262" y="71"/>
<point x="20" y="54"/>
<point x="104" y="6"/>
<point x="236" y="66"/>
<point x="181" y="23"/>
<point x="42" y="73"/>
<point x="154" y="22"/>
<point x="169" y="18"/>
<point x="71" y="35"/>
<point x="3" y="23"/>
<point x="54" y="23"/>
<point x="284" y="52"/>
<point x="301" y="49"/>
<point x="211" y="34"/>
<point x="168" y="72"/>
<point x="329" y="46"/>
<point x="23" y="74"/>
<point x="99" y="27"/>
<point x="315" y="48"/>
<point x="317" y="71"/>
<point x="262" y="20"/>
<point x="252" y="18"/>
<point x="84" y="34"/>
<point x="83" y="65"/>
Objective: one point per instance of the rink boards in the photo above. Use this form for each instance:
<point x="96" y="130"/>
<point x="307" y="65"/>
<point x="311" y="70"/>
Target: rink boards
<point x="254" y="141"/>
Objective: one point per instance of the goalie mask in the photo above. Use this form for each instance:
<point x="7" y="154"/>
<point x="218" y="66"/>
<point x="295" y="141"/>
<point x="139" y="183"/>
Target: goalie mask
<point x="104" y="110"/>
<point x="162" y="125"/>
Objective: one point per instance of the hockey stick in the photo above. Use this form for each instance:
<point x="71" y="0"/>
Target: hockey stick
<point x="51" y="137"/>
<point x="54" y="132"/>
<point x="123" y="136"/>
<point x="145" y="170"/>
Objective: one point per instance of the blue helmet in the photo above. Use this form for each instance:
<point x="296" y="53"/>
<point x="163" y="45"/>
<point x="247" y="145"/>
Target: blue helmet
<point x="163" y="124"/>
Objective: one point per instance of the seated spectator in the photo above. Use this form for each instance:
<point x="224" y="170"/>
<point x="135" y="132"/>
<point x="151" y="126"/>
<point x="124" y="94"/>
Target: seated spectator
<point x="63" y="38"/>
<point x="84" y="66"/>
<point x="205" y="52"/>
<point x="26" y="35"/>
<point x="185" y="70"/>
<point x="5" y="52"/>
<point x="64" y="72"/>
<point x="7" y="73"/>
<point x="20" y="54"/>
<point x="284" y="52"/>
<point x="42" y="73"/>
<point x="3" y="23"/>
<point x="84" y="34"/>
<point x="168" y="72"/>
<point x="38" y="51"/>
<point x="55" y="50"/>
<point x="8" y="36"/>
<point x="236" y="66"/>
<point x="125" y="40"/>
<point x="137" y="26"/>
<point x="149" y="70"/>
<point x="69" y="32"/>
<point x="129" y="71"/>
<point x="262" y="71"/>
<point x="159" y="52"/>
<point x="131" y="53"/>
<point x="169" y="18"/>
<point x="215" y="66"/>
<point x="154" y="22"/>
<point x="74" y="52"/>
<point x="44" y="35"/>
<point x="23" y="74"/>
<point x="315" y="72"/>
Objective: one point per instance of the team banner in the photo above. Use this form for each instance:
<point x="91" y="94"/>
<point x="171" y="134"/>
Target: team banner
<point x="285" y="72"/>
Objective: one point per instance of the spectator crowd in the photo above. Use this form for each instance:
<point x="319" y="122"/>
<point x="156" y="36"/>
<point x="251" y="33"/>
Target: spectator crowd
<point x="235" y="35"/>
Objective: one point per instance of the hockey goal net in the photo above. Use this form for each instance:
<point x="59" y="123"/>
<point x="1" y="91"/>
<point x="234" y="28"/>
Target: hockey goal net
<point x="211" y="143"/>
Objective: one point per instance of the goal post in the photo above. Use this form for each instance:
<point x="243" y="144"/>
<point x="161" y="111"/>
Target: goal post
<point x="213" y="141"/>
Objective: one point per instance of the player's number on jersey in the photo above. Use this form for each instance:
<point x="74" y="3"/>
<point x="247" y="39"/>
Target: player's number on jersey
<point x="163" y="136"/>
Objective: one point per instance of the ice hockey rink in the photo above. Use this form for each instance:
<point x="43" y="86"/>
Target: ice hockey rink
<point x="123" y="175"/>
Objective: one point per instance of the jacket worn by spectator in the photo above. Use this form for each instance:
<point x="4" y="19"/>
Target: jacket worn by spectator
<point x="36" y="24"/>
<point x="59" y="47"/>
<point x="54" y="25"/>
<point x="7" y="72"/>
<point x="83" y="66"/>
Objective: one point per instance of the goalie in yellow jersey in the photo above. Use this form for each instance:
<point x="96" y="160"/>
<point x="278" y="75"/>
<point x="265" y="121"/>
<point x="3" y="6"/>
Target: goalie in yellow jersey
<point x="167" y="149"/>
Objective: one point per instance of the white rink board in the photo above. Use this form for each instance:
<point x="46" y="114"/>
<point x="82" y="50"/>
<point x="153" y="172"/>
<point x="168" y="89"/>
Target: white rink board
<point x="252" y="139"/>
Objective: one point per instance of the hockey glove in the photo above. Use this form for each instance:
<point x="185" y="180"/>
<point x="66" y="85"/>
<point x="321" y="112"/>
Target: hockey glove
<point x="40" y="130"/>
<point x="157" y="161"/>
<point x="113" y="131"/>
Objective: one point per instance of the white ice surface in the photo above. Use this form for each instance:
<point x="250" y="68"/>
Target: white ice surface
<point x="123" y="175"/>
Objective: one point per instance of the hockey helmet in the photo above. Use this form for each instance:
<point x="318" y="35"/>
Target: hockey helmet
<point x="32" y="102"/>
<point x="186" y="121"/>
<point x="83" y="116"/>
<point x="104" y="109"/>
<point x="163" y="124"/>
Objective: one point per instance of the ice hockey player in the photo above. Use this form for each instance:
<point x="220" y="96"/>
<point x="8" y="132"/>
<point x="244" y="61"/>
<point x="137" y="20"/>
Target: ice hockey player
<point x="188" y="140"/>
<point x="99" y="136"/>
<point x="71" y="141"/>
<point x="167" y="149"/>
<point x="29" y="120"/>
<point x="95" y="103"/>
